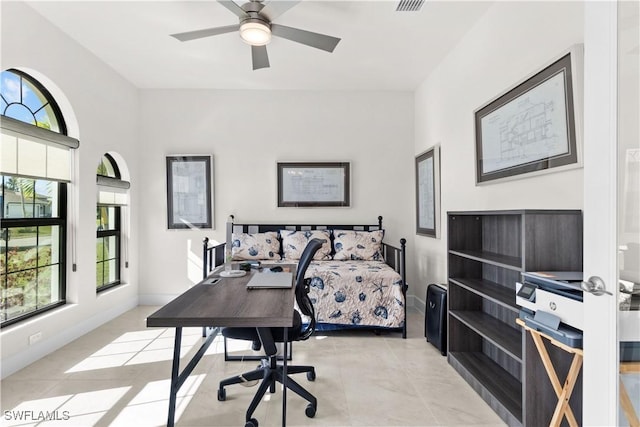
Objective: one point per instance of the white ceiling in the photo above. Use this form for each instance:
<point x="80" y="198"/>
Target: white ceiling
<point x="381" y="49"/>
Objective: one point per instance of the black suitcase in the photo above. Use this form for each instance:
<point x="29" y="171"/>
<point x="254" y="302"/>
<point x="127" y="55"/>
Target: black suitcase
<point x="435" y="319"/>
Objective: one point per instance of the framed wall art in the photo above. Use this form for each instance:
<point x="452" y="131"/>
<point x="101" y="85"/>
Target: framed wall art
<point x="189" y="200"/>
<point x="313" y="184"/>
<point x="533" y="127"/>
<point x="428" y="192"/>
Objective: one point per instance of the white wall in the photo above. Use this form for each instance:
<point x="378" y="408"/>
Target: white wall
<point x="248" y="132"/>
<point x="101" y="109"/>
<point x="509" y="43"/>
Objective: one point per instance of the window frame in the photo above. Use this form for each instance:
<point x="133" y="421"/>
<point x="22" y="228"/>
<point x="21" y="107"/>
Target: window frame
<point x="62" y="125"/>
<point x="114" y="166"/>
<point x="116" y="232"/>
<point x="61" y="220"/>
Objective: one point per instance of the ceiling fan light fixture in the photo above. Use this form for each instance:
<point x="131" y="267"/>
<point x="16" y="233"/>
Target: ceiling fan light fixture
<point x="255" y="33"/>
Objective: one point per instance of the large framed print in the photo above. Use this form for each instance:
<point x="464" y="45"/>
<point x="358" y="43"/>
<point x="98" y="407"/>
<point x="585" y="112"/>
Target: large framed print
<point x="532" y="127"/>
<point x="313" y="184"/>
<point x="189" y="183"/>
<point x="428" y="192"/>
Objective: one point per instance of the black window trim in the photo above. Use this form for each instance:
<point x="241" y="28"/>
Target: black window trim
<point x="50" y="100"/>
<point x="117" y="232"/>
<point x="60" y="221"/>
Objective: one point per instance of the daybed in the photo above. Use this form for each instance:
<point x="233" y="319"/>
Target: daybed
<point x="356" y="279"/>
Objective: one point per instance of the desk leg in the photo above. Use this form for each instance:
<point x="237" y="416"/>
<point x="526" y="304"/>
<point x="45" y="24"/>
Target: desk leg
<point x="555" y="382"/>
<point x="173" y="393"/>
<point x="178" y="378"/>
<point x="284" y="377"/>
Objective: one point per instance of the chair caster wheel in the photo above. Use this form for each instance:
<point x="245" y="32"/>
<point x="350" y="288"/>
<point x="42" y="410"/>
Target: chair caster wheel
<point x="310" y="411"/>
<point x="251" y="423"/>
<point x="222" y="395"/>
<point x="311" y="375"/>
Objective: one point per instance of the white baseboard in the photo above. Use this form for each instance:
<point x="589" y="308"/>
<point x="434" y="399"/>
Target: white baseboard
<point x="14" y="363"/>
<point x="155" y="299"/>
<point x="417" y="303"/>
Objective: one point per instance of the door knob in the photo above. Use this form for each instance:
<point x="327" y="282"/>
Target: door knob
<point x="595" y="286"/>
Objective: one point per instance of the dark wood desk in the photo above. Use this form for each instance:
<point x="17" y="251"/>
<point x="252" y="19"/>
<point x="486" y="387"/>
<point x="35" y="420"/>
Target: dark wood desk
<point x="226" y="303"/>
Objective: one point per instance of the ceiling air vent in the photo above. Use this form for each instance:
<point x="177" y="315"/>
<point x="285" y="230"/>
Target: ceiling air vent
<point x="409" y="5"/>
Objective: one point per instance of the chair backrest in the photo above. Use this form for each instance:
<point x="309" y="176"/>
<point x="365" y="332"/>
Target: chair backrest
<point x="302" y="286"/>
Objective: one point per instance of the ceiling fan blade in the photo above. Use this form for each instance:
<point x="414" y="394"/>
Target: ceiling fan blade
<point x="234" y="8"/>
<point x="273" y="9"/>
<point x="259" y="57"/>
<point x="207" y="32"/>
<point x="319" y="41"/>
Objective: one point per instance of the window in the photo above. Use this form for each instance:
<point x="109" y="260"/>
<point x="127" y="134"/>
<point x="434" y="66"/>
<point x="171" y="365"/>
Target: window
<point x="108" y="247"/>
<point x="34" y="169"/>
<point x="112" y="197"/>
<point x="26" y="100"/>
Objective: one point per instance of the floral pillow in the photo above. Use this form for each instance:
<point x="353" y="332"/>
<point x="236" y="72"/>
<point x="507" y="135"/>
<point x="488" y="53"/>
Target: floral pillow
<point x="294" y="242"/>
<point x="358" y="245"/>
<point x="247" y="246"/>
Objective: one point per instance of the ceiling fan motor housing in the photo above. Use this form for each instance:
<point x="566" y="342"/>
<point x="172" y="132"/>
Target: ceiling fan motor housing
<point x="255" y="29"/>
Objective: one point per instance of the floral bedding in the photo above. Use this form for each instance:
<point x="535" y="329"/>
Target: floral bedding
<point x="354" y="289"/>
<point x="356" y="293"/>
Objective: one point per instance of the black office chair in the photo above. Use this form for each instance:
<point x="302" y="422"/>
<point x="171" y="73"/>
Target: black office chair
<point x="270" y="371"/>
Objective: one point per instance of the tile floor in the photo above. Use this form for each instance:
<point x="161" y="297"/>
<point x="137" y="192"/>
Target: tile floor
<point x="119" y="376"/>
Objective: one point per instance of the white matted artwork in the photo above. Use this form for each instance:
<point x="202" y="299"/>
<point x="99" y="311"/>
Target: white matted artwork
<point x="313" y="184"/>
<point x="535" y="126"/>
<point x="189" y="194"/>
<point x="428" y="192"/>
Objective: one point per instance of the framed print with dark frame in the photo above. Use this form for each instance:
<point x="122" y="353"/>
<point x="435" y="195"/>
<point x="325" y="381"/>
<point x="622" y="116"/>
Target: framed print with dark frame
<point x="534" y="127"/>
<point x="189" y="199"/>
<point x="313" y="184"/>
<point x="428" y="192"/>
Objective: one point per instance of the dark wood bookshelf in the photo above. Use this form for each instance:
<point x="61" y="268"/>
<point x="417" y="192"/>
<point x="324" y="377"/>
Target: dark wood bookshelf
<point x="504" y="261"/>
<point x="489" y="290"/>
<point x="508" y="340"/>
<point x="487" y="252"/>
<point x="490" y="379"/>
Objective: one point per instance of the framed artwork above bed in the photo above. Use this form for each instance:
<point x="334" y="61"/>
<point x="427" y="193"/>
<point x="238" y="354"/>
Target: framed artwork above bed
<point x="313" y="184"/>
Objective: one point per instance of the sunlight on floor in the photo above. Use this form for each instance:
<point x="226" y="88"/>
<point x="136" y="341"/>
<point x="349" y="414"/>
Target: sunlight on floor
<point x="148" y="346"/>
<point x="132" y="348"/>
<point x="149" y="406"/>
<point x="80" y="409"/>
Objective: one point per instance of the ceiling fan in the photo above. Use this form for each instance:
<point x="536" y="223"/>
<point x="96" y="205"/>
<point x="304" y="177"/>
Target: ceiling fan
<point x="256" y="28"/>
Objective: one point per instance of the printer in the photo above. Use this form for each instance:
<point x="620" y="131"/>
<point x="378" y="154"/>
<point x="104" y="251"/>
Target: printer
<point x="551" y="302"/>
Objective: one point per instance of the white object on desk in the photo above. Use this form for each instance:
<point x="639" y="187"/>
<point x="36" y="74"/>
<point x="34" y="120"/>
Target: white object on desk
<point x="233" y="273"/>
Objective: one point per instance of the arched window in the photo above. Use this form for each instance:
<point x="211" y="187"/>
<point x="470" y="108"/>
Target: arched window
<point x="108" y="167"/>
<point x="26" y="100"/>
<point x="34" y="169"/>
<point x="112" y="197"/>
